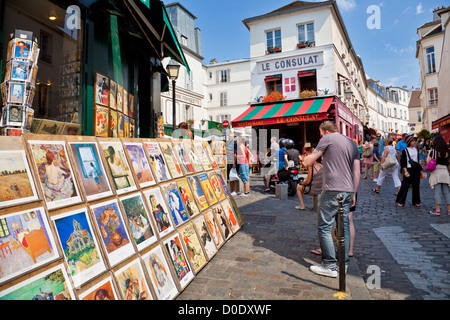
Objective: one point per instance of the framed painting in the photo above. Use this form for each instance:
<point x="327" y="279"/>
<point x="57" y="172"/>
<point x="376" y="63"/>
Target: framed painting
<point x="159" y="272"/>
<point x="205" y="236"/>
<point x="187" y="197"/>
<point x="101" y="121"/>
<point x="223" y="182"/>
<point x="194" y="249"/>
<point x="119" y="98"/>
<point x="159" y="211"/>
<point x="120" y="125"/>
<point x="71" y="129"/>
<point x="183" y="157"/>
<point x="51" y="284"/>
<point x="236" y="211"/>
<point x="90" y="169"/>
<point x="216" y="185"/>
<point x="113" y="94"/>
<point x="16" y="180"/>
<point x="125" y="102"/>
<point x="79" y="244"/>
<point x="209" y="155"/>
<point x="222" y="221"/>
<point x="171" y="158"/>
<point x="132" y="283"/>
<point x="101" y="89"/>
<point x="113" y="124"/>
<point x="197" y="191"/>
<point x="101" y="290"/>
<point x="50" y="127"/>
<point x="157" y="161"/>
<point x="213" y="228"/>
<point x="193" y="156"/>
<point x="26" y="242"/>
<point x="231" y="217"/>
<point x="175" y="203"/>
<point x="17" y="92"/>
<point x="139" y="163"/>
<point x="116" y="162"/>
<point x="113" y="232"/>
<point x="179" y="260"/>
<point x="55" y="173"/>
<point x="207" y="188"/>
<point x="138" y="220"/>
<point x="130" y="105"/>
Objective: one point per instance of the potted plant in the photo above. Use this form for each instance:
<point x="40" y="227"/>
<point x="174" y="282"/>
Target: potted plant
<point x="269" y="50"/>
<point x="302" y="44"/>
<point x="311" y="44"/>
<point x="273" y="97"/>
<point x="308" y="94"/>
<point x="277" y="49"/>
<point x="343" y="56"/>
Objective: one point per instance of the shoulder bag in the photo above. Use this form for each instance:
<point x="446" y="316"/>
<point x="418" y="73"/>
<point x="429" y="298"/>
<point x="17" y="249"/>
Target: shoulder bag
<point x="431" y="166"/>
<point x="389" y="161"/>
<point x="415" y="166"/>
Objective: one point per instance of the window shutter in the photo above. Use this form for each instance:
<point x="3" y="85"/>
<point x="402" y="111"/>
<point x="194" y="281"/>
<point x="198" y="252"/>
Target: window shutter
<point x="228" y="75"/>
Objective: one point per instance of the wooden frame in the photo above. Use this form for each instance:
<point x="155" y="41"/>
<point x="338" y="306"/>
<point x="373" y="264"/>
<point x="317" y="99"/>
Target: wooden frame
<point x="157" y="160"/>
<point x="140" y="165"/>
<point x="205" y="236"/>
<point x="171" y="158"/>
<point x="193" y="247"/>
<point x="175" y="203"/>
<point x="132" y="283"/>
<point x="102" y="288"/>
<point x="160" y="212"/>
<point x="179" y="262"/>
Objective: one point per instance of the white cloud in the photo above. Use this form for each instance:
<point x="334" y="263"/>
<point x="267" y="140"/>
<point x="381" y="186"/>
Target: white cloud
<point x="405" y="50"/>
<point x="420" y="9"/>
<point x="406" y="10"/>
<point x="346" y="5"/>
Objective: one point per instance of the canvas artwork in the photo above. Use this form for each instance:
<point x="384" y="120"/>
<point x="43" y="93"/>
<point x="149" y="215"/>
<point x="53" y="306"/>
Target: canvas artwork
<point x="119" y="98"/>
<point x="71" y="129"/>
<point x="103" y="290"/>
<point x="197" y="191"/>
<point x="113" y="123"/>
<point x="126" y="127"/>
<point x="130" y="105"/>
<point x="222" y="221"/>
<point x="157" y="161"/>
<point x="120" y="125"/>
<point x="132" y="283"/>
<point x="183" y="156"/>
<point x="118" y="166"/>
<point x="101" y="121"/>
<point x="140" y="164"/>
<point x="79" y="244"/>
<point x="55" y="173"/>
<point x="52" y="284"/>
<point x="209" y="155"/>
<point x="159" y="210"/>
<point x="193" y="247"/>
<point x="175" y="203"/>
<point x="113" y="231"/>
<point x="16" y="181"/>
<point x="50" y="127"/>
<point x="193" y="156"/>
<point x="26" y="242"/>
<point x="207" y="188"/>
<point x="138" y="220"/>
<point x="213" y="228"/>
<point x="187" y="197"/>
<point x="236" y="211"/>
<point x="171" y="159"/>
<point x="217" y="186"/>
<point x="90" y="168"/>
<point x="112" y="94"/>
<point x="101" y="89"/>
<point x="231" y="217"/>
<point x="125" y="102"/>
<point x="205" y="236"/>
<point x="223" y="183"/>
<point x="179" y="261"/>
<point x="159" y="272"/>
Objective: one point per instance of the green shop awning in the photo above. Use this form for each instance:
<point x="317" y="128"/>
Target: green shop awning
<point x="284" y="112"/>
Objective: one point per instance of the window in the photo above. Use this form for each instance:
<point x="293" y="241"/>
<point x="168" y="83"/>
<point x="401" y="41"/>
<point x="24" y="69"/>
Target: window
<point x="223" y="99"/>
<point x="274" y="84"/>
<point x="4" y="231"/>
<point x="419" y="116"/>
<point x="433" y="96"/>
<point x="273" y="38"/>
<point x="210" y="75"/>
<point x="210" y="97"/>
<point x="306" y="32"/>
<point x="224" y="76"/>
<point x="431" y="63"/>
<point x="224" y="117"/>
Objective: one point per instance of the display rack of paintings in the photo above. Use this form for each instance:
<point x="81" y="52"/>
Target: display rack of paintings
<point x="218" y="148"/>
<point x="209" y="155"/>
<point x="108" y="219"/>
<point x="70" y="87"/>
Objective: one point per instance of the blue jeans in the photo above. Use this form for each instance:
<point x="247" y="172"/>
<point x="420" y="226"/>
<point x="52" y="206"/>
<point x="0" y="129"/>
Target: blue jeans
<point x="328" y="209"/>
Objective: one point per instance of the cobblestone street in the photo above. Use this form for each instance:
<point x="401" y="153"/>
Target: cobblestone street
<point x="269" y="257"/>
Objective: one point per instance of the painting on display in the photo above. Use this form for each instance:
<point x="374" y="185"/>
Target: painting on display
<point x="187" y="197"/>
<point x="217" y="186"/>
<point x="119" y="98"/>
<point x="197" y="191"/>
<point x="113" y="123"/>
<point x="87" y="161"/>
<point x="160" y="275"/>
<point x="52" y="284"/>
<point x="213" y="228"/>
<point x="101" y="121"/>
<point x="236" y="211"/>
<point x="132" y="283"/>
<point x="179" y="260"/>
<point x="159" y="211"/>
<point x="101" y="89"/>
<point x="207" y="188"/>
<point x="118" y="166"/>
<point x="193" y="156"/>
<point x="183" y="156"/>
<point x="104" y="290"/>
<point x="138" y="219"/>
<point x="113" y="231"/>
<point x="231" y="217"/>
<point x="26" y="241"/>
<point x="205" y="235"/>
<point x="193" y="247"/>
<point x="198" y="146"/>
<point x="16" y="181"/>
<point x="50" y="127"/>
<point x="209" y="155"/>
<point x="222" y="221"/>
<point x="157" y="161"/>
<point x="112" y="94"/>
<point x="175" y="203"/>
<point x="79" y="244"/>
<point x="223" y="183"/>
<point x="139" y="163"/>
<point x="171" y="159"/>
<point x="55" y="173"/>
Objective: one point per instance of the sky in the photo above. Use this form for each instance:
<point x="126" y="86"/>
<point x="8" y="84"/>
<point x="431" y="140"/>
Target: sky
<point x="388" y="53"/>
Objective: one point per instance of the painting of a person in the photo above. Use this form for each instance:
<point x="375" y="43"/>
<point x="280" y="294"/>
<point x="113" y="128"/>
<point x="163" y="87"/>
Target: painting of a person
<point x="94" y="173"/>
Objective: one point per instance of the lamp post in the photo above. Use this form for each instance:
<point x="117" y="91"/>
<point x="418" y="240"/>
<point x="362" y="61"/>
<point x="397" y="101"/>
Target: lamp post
<point x="173" y="69"/>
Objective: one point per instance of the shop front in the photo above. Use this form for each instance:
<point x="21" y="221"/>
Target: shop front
<point x="99" y="69"/>
<point x="443" y="127"/>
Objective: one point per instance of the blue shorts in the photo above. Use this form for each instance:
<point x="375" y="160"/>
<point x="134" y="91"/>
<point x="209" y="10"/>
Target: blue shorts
<point x="244" y="172"/>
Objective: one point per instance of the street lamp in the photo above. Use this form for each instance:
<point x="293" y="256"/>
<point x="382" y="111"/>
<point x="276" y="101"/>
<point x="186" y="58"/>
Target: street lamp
<point x="173" y="69"/>
<point x="348" y="93"/>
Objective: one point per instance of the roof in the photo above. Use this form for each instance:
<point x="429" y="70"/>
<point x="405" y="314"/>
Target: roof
<point x="415" y="100"/>
<point x="173" y="4"/>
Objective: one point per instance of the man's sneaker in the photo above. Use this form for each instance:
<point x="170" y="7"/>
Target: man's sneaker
<point x="234" y="193"/>
<point x="244" y="194"/>
<point x="324" y="271"/>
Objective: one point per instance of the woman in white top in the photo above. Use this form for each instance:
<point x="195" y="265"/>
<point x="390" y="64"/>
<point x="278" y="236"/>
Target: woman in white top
<point x="392" y="171"/>
<point x="411" y="173"/>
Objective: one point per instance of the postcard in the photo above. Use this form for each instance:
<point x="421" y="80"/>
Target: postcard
<point x="19" y="70"/>
<point x="22" y="49"/>
<point x="16" y="92"/>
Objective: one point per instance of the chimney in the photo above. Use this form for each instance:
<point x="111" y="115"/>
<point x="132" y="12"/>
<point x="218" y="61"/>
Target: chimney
<point x="436" y="13"/>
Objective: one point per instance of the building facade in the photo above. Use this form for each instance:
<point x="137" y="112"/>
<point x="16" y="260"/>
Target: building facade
<point x="415" y="112"/>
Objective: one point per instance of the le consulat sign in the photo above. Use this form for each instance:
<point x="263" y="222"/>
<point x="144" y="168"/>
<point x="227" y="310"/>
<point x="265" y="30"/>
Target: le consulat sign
<point x="293" y="62"/>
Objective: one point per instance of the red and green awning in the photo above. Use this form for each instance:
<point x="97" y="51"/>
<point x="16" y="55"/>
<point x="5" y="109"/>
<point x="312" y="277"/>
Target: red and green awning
<point x="284" y="112"/>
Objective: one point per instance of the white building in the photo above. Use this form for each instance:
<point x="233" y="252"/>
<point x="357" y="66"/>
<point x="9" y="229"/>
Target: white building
<point x="415" y="112"/>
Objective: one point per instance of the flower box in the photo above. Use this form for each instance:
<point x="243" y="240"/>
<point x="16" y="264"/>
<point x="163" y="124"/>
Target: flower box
<point x="301" y="45"/>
